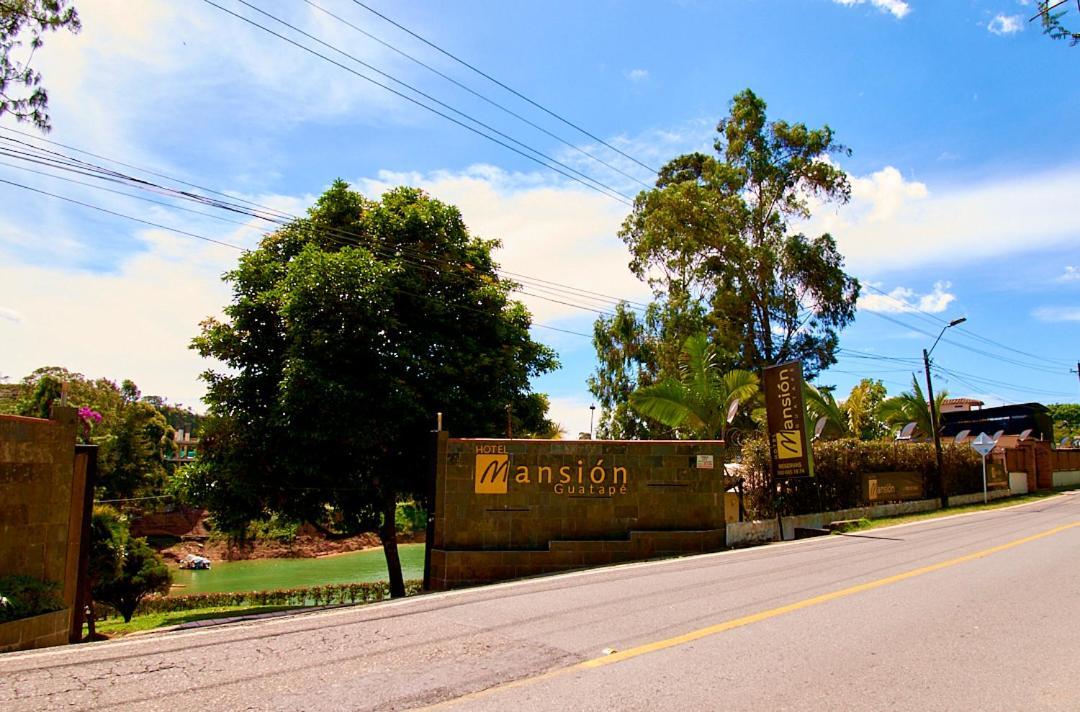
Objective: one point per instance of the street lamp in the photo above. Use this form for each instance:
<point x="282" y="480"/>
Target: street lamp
<point x="592" y="412"/>
<point x="934" y="413"/>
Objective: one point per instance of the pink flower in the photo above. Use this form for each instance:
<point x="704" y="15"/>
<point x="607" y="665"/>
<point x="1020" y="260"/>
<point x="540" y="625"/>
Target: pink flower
<point x="88" y="415"/>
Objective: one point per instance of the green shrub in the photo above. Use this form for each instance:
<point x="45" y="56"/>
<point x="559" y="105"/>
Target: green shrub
<point x="409" y="517"/>
<point x="276" y="528"/>
<point x="838" y="466"/>
<point x="123" y="569"/>
<point x="25" y="596"/>
<point x="330" y="594"/>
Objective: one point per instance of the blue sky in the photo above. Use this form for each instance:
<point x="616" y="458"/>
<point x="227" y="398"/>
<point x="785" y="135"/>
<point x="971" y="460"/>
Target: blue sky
<point x="960" y="115"/>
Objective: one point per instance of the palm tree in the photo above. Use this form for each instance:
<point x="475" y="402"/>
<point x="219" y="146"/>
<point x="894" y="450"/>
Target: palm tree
<point x="698" y="401"/>
<point x="911" y="407"/>
<point x="822" y="404"/>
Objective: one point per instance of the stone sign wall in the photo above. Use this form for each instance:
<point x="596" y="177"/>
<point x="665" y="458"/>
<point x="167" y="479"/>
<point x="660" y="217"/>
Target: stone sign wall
<point x="41" y="516"/>
<point x="510" y="508"/>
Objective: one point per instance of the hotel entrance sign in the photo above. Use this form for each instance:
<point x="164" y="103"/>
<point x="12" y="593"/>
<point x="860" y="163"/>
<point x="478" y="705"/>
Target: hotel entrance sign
<point x="789" y="445"/>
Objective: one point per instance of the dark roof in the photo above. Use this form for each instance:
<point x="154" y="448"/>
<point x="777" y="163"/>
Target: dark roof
<point x="1013" y="419"/>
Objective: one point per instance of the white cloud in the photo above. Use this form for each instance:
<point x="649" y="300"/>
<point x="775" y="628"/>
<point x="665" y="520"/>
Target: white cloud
<point x="137" y="320"/>
<point x="133" y="323"/>
<point x="886" y="192"/>
<point x="1005" y="24"/>
<point x="892" y="223"/>
<point x="905" y="300"/>
<point x="1057" y="313"/>
<point x="10" y="315"/>
<point x="163" y="66"/>
<point x="566" y="235"/>
<point x="898" y="8"/>
<point x="572" y="413"/>
<point x="1072" y="274"/>
<point x="637" y="75"/>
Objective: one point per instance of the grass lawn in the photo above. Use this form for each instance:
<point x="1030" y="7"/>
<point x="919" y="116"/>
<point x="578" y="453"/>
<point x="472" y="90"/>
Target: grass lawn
<point x="865" y="524"/>
<point x="116" y="627"/>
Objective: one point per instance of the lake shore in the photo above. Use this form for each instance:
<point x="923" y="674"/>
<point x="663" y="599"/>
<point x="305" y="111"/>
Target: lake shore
<point x="306" y="545"/>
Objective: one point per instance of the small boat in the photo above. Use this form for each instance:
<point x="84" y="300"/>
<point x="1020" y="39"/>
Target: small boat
<point x="191" y="561"/>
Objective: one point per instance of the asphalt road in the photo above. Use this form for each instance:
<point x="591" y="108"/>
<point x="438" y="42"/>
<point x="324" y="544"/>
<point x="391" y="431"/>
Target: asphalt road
<point x="972" y="612"/>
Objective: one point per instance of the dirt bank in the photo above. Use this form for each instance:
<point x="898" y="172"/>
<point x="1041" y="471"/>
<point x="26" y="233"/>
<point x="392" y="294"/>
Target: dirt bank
<point x="188" y="526"/>
<point x="303" y="546"/>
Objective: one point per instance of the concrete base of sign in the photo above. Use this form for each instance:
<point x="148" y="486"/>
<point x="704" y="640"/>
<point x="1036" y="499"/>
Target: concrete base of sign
<point x="453" y="569"/>
<point x="977" y="497"/>
<point x="750" y="533"/>
<point x="1067" y="478"/>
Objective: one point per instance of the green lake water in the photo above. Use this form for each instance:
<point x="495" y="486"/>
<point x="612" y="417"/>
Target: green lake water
<point x="268" y="574"/>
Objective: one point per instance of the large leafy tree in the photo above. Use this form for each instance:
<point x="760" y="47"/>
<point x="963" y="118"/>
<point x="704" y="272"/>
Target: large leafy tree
<point x="701" y="399"/>
<point x="23" y="25"/>
<point x="912" y="407"/>
<point x="1050" y="17"/>
<point x="131" y="461"/>
<point x="821" y="404"/>
<point x="132" y="432"/>
<point x="714" y="241"/>
<point x="1066" y="419"/>
<point x="862" y="405"/>
<point x="347" y="332"/>
<point x="122" y="569"/>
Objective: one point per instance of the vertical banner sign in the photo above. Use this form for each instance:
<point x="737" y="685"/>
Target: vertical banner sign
<point x="788" y="444"/>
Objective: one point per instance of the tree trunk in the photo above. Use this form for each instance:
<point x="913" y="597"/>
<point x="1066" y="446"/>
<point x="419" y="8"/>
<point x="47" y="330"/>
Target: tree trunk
<point x="388" y="535"/>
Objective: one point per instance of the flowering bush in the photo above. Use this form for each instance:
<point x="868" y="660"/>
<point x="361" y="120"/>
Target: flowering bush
<point x="88" y="417"/>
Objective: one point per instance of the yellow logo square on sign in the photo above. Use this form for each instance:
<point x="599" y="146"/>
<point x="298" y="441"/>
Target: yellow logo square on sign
<point x="788" y="444"/>
<point x="492" y="474"/>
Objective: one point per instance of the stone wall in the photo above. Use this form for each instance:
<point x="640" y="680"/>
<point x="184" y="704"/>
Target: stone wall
<point x="42" y="631"/>
<point x="511" y="508"/>
<point x="41" y="510"/>
<point x="760" y="532"/>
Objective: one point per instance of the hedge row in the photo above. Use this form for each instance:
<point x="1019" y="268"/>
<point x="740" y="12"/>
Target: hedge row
<point x="25" y="596"/>
<point x="329" y="594"/>
<point x="838" y="469"/>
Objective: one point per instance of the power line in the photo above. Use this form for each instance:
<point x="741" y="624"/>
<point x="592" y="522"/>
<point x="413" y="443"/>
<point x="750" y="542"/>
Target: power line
<point x="504" y="86"/>
<point x="478" y="95"/>
<point x="1000" y="384"/>
<point x="604" y="190"/>
<point x="128" y="195"/>
<point x="966" y="347"/>
<point x="122" y="215"/>
<point x="928" y="316"/>
<point x="127" y="165"/>
<point x="959" y="375"/>
<point x="242" y="249"/>
<point x="429" y="97"/>
<point x="59" y="160"/>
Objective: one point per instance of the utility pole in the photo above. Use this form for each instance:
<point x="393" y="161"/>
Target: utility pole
<point x="934" y="414"/>
<point x="937" y="432"/>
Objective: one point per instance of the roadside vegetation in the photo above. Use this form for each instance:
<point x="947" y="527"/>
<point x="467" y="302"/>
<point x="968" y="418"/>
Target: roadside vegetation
<point x="350" y="328"/>
<point x="868" y="524"/>
<point x="118" y="627"/>
<point x="160" y="611"/>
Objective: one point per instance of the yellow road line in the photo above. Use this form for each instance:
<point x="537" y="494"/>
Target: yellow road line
<point x="755" y="617"/>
